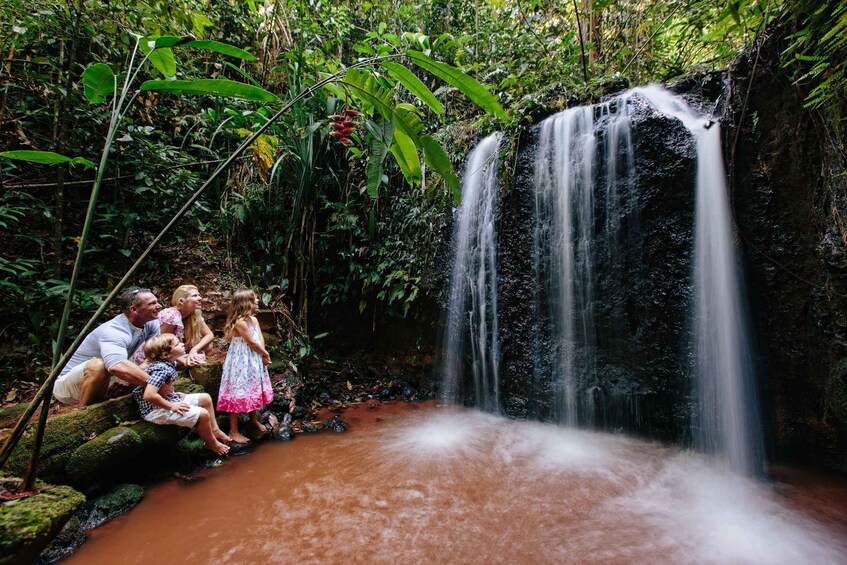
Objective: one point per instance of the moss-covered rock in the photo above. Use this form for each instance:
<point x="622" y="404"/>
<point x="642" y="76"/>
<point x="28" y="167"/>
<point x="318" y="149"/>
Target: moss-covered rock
<point x="186" y="385"/>
<point x="27" y="525"/>
<point x="97" y="457"/>
<point x="9" y="415"/>
<point x="120" y="499"/>
<point x="65" y="543"/>
<point x="65" y="433"/>
<point x="208" y="376"/>
<point x="156" y="436"/>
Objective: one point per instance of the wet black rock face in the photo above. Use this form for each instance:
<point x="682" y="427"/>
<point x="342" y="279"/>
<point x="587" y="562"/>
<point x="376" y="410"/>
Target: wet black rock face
<point x="790" y="197"/>
<point x="641" y="301"/>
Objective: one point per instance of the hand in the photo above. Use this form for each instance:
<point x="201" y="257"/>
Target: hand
<point x="192" y="359"/>
<point x="180" y="407"/>
<point x="266" y="359"/>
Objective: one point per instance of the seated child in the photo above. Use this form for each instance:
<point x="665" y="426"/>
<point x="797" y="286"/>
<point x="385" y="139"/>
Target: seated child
<point x="159" y="404"/>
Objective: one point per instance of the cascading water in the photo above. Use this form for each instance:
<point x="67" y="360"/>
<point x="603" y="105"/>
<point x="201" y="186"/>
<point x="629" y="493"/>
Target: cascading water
<point x="567" y="245"/>
<point x="471" y="315"/>
<point x="727" y="407"/>
<point x="567" y="253"/>
<point x="591" y="284"/>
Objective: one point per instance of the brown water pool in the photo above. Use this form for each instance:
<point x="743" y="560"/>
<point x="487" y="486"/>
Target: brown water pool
<point x="419" y="484"/>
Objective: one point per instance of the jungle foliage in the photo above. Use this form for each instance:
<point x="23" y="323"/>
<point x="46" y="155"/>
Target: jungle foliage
<point x="345" y="199"/>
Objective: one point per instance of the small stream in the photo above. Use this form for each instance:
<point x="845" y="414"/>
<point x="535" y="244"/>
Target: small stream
<point x="415" y="483"/>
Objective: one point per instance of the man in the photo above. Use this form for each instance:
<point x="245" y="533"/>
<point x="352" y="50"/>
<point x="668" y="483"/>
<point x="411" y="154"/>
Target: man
<point x="105" y="352"/>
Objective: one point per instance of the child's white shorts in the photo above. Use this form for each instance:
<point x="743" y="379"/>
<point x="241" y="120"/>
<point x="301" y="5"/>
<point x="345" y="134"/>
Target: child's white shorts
<point x="187" y="419"/>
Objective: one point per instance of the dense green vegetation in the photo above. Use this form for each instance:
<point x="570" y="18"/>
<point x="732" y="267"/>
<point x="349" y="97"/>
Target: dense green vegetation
<point x="308" y="217"/>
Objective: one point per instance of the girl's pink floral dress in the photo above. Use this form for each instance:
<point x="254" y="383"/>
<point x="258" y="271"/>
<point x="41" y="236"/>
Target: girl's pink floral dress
<point x="245" y="384"/>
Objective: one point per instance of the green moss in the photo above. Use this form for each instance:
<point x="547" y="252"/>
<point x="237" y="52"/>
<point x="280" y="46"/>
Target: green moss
<point x="186" y="385"/>
<point x="65" y="433"/>
<point x="27" y="525"/>
<point x="10" y="415"/>
<point x="114" y="503"/>
<point x="153" y="435"/>
<point x="95" y="458"/>
<point x="208" y="376"/>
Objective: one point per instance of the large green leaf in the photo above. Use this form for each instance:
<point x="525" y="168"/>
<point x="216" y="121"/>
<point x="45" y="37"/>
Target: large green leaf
<point x="221" y="48"/>
<point x="364" y="86"/>
<point x="382" y="136"/>
<point x="165" y="41"/>
<point x="217" y="87"/>
<point x="160" y="56"/>
<point x="163" y="60"/>
<point x="415" y="86"/>
<point x="467" y="85"/>
<point x="46" y="158"/>
<point x="98" y="81"/>
<point x="436" y="159"/>
<point x="406" y="154"/>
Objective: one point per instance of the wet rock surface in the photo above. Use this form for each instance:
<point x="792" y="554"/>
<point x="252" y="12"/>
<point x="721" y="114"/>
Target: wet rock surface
<point x="640" y="300"/>
<point x="28" y="524"/>
<point x="790" y="196"/>
<point x="92" y="514"/>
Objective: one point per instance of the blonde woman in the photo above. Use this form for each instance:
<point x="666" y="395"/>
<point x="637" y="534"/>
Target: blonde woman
<point x="184" y="319"/>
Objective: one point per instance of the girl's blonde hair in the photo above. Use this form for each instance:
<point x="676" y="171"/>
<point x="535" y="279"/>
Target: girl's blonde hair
<point x="193" y="325"/>
<point x="158" y="348"/>
<point x="242" y="306"/>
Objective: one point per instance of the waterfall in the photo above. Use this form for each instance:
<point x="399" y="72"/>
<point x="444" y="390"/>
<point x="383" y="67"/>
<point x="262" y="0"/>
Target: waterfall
<point x="726" y="421"/>
<point x="471" y="316"/>
<point x="598" y="311"/>
<point x="568" y="245"/>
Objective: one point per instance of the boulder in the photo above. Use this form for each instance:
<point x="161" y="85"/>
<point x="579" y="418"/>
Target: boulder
<point x="94" y="459"/>
<point x="27" y="525"/>
<point x="154" y="436"/>
<point x="90" y="515"/>
<point x="65" y="433"/>
<point x="186" y="385"/>
<point x="120" y="499"/>
<point x="208" y="376"/>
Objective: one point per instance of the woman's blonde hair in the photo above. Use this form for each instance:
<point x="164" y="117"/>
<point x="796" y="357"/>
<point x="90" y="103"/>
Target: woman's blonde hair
<point x="158" y="348"/>
<point x="243" y="305"/>
<point x="193" y="323"/>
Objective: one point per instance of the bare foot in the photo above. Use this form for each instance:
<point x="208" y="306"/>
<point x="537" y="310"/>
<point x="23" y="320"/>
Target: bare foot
<point x="239" y="438"/>
<point x="219" y="433"/>
<point x="259" y="426"/>
<point x="218" y="448"/>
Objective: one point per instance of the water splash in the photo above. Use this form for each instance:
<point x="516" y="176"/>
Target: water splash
<point x="472" y="304"/>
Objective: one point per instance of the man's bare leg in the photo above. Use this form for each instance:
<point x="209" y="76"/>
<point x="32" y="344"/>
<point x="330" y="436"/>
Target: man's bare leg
<point x="95" y="383"/>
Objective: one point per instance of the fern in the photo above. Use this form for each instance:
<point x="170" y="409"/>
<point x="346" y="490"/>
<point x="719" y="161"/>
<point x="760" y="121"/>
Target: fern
<point x="818" y="50"/>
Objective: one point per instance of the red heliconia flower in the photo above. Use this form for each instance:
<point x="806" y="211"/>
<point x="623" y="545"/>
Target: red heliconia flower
<point x="336" y="134"/>
<point x="346" y="141"/>
<point x="347" y="131"/>
<point x="347" y="123"/>
<point x="336" y="117"/>
<point x="337" y="125"/>
<point x="351" y="112"/>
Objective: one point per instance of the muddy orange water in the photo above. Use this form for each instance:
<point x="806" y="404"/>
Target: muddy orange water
<point x="430" y="485"/>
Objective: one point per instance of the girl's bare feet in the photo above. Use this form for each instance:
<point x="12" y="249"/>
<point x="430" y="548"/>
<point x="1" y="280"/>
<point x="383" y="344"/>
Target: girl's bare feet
<point x="217" y="448"/>
<point x="239" y="438"/>
<point x="259" y="426"/>
<point x="219" y="433"/>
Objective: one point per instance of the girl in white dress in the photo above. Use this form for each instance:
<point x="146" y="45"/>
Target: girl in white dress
<point x="245" y="384"/>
